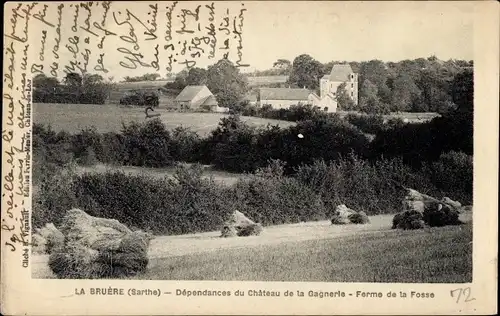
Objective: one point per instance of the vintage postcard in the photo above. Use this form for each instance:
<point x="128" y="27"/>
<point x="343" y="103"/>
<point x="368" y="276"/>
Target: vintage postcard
<point x="254" y="157"/>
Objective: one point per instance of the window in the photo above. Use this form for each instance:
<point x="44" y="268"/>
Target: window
<point x="352" y="94"/>
<point x="325" y="109"/>
<point x="352" y="85"/>
<point x="334" y="93"/>
<point x="352" y="76"/>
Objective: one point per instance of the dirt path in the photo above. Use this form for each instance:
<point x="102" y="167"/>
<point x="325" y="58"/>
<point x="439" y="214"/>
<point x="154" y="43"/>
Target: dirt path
<point x="173" y="246"/>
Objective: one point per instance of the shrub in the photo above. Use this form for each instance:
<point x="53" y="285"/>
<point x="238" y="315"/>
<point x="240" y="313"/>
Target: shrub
<point x="186" y="203"/>
<point x="364" y="186"/>
<point x="112" y="149"/>
<point x="273" y="199"/>
<point x="453" y="174"/>
<point x="147" y="144"/>
<point x="418" y="143"/>
<point x="54" y="196"/>
<point x="82" y="143"/>
<point x="371" y="124"/>
<point x="185" y="145"/>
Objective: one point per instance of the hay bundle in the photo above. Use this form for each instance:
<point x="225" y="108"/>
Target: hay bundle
<point x="455" y="204"/>
<point x="39" y="243"/>
<point x="46" y="239"/>
<point x="344" y="215"/>
<point x="359" y="218"/>
<point x="240" y="225"/>
<point x="229" y="231"/>
<point x="408" y="220"/>
<point x="341" y="215"/>
<point x="416" y="201"/>
<point x="98" y="248"/>
<point x="249" y="230"/>
<point x="442" y="215"/>
<point x="434" y="212"/>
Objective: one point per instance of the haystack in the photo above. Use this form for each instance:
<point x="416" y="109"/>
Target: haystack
<point x="46" y="239"/>
<point x="344" y="215"/>
<point x="240" y="225"/>
<point x="442" y="215"/>
<point x="99" y="248"/>
<point x="455" y="204"/>
<point x="359" y="218"/>
<point x="410" y="219"/>
<point x="421" y="209"/>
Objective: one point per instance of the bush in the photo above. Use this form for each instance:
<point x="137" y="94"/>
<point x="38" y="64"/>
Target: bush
<point x="342" y="139"/>
<point x="453" y="174"/>
<point x="185" y="145"/>
<point x="186" y="203"/>
<point x="364" y="186"/>
<point x="418" y="143"/>
<point x="54" y="196"/>
<point x="370" y="124"/>
<point x="274" y="199"/>
<point x="147" y="144"/>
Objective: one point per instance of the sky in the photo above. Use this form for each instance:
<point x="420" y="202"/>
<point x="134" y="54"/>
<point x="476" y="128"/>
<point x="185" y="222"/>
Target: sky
<point x="352" y="31"/>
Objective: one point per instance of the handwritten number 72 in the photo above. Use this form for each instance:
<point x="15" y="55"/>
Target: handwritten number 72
<point x="462" y="293"/>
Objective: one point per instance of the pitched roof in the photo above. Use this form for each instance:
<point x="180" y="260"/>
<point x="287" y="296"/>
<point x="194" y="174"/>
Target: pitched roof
<point x="283" y="94"/>
<point x="188" y="93"/>
<point x="340" y="72"/>
<point x="210" y="101"/>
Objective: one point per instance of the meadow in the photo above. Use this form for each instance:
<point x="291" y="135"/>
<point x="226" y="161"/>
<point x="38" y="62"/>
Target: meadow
<point x="72" y="118"/>
<point x="444" y="256"/>
<point x="313" y="252"/>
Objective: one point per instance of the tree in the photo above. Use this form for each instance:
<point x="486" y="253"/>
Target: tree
<point x="73" y="80"/>
<point x="404" y="93"/>
<point x="42" y="82"/>
<point x="344" y="101"/>
<point x="462" y="91"/>
<point x="145" y="77"/>
<point x="376" y="72"/>
<point x="92" y="79"/>
<point x="369" y="101"/>
<point x="196" y="76"/>
<point x="282" y="64"/>
<point x="306" y="72"/>
<point x="226" y="82"/>
<point x="435" y="96"/>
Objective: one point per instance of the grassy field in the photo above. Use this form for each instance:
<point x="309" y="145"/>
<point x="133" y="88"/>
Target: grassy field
<point x="439" y="255"/>
<point x="312" y="251"/>
<point x="108" y="118"/>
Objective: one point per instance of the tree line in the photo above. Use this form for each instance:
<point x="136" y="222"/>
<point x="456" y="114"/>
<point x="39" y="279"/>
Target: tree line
<point x="74" y="88"/>
<point x="419" y="85"/>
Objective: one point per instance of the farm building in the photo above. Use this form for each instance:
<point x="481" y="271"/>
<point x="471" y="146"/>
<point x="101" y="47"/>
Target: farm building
<point x="195" y="98"/>
<point x="327" y="103"/>
<point x="340" y="74"/>
<point x="283" y="98"/>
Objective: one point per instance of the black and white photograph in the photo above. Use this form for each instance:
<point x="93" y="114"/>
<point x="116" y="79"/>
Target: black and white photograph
<point x="259" y="141"/>
<point x="313" y="158"/>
